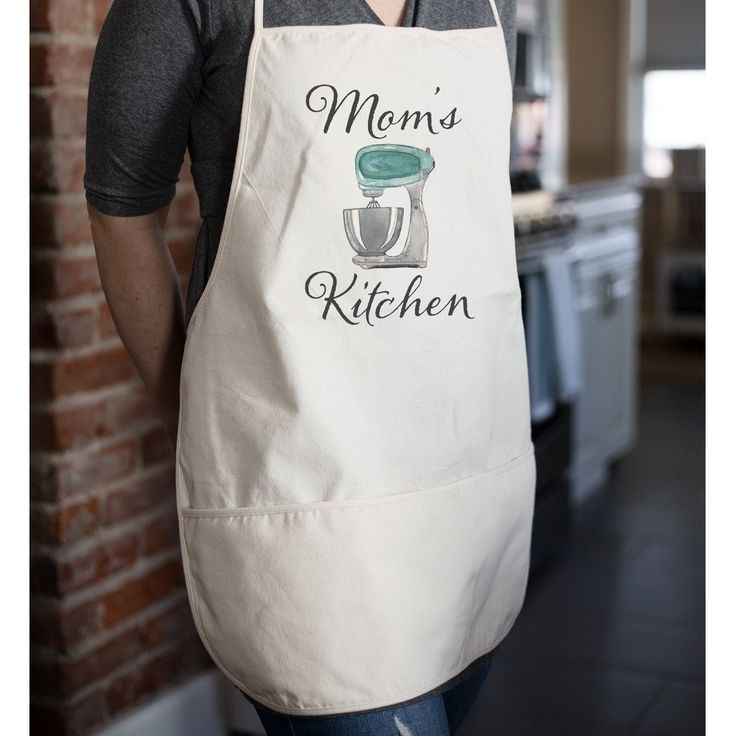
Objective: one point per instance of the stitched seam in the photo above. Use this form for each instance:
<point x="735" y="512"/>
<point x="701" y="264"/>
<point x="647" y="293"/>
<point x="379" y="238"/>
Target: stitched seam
<point x="406" y="30"/>
<point x="332" y="708"/>
<point x="338" y="505"/>
<point x="235" y="185"/>
<point x="195" y="605"/>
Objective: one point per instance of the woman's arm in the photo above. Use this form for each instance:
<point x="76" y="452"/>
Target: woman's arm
<point x="146" y="77"/>
<point x="142" y="289"/>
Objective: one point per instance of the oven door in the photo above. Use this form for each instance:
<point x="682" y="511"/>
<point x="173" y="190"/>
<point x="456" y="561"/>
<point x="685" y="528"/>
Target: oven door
<point x="551" y="422"/>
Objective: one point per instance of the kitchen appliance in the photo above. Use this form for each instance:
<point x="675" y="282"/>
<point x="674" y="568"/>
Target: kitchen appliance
<point x="373" y="230"/>
<point x="544" y="223"/>
<point x="606" y="254"/>
<point x="533" y="30"/>
<point x="680" y="293"/>
<point x="538" y="124"/>
<point x="531" y="87"/>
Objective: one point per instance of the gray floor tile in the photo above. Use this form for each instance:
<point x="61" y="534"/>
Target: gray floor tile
<point x="617" y="642"/>
<point x="611" y="639"/>
<point x="523" y="724"/>
<point x="663" y="583"/>
<point x="679" y="711"/>
<point x="561" y="696"/>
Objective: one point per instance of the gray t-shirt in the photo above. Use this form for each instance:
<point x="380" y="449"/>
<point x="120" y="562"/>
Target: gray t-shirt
<point x="169" y="75"/>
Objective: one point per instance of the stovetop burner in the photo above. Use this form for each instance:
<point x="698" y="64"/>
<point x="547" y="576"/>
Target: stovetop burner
<point x="541" y="213"/>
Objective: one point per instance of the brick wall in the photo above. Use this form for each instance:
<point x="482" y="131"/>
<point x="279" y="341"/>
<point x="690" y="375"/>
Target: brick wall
<point x="110" y="624"/>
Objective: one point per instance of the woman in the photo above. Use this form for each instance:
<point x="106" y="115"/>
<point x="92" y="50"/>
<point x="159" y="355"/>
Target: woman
<point x="354" y="467"/>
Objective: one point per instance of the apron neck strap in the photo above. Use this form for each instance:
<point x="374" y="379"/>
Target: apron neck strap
<point x="257" y="15"/>
<point x="493" y="8"/>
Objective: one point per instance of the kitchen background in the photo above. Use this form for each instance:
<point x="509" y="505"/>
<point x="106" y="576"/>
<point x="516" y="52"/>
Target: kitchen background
<point x="608" y="173"/>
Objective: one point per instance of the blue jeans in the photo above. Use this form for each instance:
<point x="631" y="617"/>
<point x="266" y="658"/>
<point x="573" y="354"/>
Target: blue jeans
<point x="438" y="715"/>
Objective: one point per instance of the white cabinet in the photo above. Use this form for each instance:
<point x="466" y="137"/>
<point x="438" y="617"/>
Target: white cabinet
<point x="604" y="419"/>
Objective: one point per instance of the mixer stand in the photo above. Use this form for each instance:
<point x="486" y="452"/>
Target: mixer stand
<point x="387" y="262"/>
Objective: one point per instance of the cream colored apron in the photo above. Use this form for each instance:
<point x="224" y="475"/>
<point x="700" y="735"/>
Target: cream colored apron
<point x="355" y="473"/>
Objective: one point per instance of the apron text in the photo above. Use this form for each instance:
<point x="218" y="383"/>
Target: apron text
<point x="324" y="97"/>
<point x="377" y="303"/>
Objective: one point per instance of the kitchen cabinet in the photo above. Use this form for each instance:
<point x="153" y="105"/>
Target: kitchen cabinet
<point x="606" y="256"/>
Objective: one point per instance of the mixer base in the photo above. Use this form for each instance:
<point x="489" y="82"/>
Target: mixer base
<point x="387" y="262"/>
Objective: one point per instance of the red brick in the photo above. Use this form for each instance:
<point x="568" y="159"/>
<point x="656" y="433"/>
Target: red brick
<point x="46" y="719"/>
<point x="126" y="410"/>
<point x="74" y="427"/>
<point x="169" y="626"/>
<point x="62" y="328"/>
<point x="100" y="9"/>
<point x="60" y="64"/>
<point x="185" y="174"/>
<point x="161" y="533"/>
<point x="182" y="253"/>
<point x="65" y="429"/>
<point x="84" y="714"/>
<point x="63" y="678"/>
<point x="65" y="629"/>
<point x="58" y="479"/>
<point x="43" y="229"/>
<point x="103" y="660"/>
<point x="67" y="673"/>
<point x="46" y="678"/>
<point x="80" y="624"/>
<point x="74" y="718"/>
<point x="186" y="657"/>
<point x="105" y="324"/>
<point x="98" y="563"/>
<point x="184" y="210"/>
<point x="62" y="377"/>
<point x="141" y="495"/>
<point x="142" y="592"/>
<point x="44" y="626"/>
<point x="57" y="224"/>
<point x="54" y="577"/>
<point x="155" y="446"/>
<point x="57" y="167"/>
<point x="57" y="278"/>
<point x="68" y="653"/>
<point x="141" y="682"/>
<point x="167" y="667"/>
<point x="58" y="115"/>
<point x="43" y="574"/>
<point x="191" y="656"/>
<point x="66" y="525"/>
<point x="68" y="16"/>
<point x="73" y="223"/>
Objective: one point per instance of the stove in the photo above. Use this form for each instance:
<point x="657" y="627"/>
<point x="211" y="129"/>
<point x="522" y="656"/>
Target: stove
<point x="544" y="222"/>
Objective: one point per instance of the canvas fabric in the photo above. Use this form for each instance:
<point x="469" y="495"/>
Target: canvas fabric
<point x="355" y="473"/>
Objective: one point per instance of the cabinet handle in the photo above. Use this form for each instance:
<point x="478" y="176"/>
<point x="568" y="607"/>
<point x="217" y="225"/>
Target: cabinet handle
<point x="608" y="283"/>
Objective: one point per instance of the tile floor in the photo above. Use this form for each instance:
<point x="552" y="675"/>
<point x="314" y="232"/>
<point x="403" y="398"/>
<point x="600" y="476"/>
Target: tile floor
<point x="611" y="639"/>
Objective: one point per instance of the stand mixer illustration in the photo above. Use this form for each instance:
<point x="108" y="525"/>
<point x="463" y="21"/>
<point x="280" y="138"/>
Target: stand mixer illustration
<point x="373" y="230"/>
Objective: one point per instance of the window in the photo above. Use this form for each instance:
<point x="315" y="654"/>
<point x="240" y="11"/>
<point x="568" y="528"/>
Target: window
<point x="674" y="105"/>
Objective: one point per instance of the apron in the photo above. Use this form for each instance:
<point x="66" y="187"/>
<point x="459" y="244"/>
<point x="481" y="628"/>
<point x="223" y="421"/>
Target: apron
<point x="355" y="472"/>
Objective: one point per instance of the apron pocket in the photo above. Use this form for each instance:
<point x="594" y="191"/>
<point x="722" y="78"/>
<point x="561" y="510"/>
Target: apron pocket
<point x="340" y="606"/>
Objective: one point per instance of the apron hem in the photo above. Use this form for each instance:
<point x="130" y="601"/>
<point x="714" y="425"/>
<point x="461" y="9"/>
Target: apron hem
<point x="287" y="560"/>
